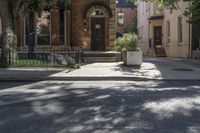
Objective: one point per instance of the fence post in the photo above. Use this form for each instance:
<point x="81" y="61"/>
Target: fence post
<point x="80" y="57"/>
<point x="31" y="45"/>
<point x="9" y="55"/>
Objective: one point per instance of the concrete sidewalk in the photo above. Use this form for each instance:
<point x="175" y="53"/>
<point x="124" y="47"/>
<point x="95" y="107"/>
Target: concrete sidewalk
<point x="151" y="69"/>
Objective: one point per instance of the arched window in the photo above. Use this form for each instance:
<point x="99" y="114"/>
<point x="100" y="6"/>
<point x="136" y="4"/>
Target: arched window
<point x="98" y="11"/>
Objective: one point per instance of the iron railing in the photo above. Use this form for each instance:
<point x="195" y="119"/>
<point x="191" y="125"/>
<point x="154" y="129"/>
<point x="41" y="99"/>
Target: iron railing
<point x="45" y="57"/>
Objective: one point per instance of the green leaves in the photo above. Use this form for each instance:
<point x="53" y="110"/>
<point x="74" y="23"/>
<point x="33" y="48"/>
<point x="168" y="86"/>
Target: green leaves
<point x="192" y="11"/>
<point x="26" y="7"/>
<point x="128" y="42"/>
<point x="170" y="4"/>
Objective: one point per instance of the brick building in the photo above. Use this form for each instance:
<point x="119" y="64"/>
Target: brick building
<point x="126" y="14"/>
<point x="0" y="33"/>
<point x="0" y="27"/>
<point x="86" y="24"/>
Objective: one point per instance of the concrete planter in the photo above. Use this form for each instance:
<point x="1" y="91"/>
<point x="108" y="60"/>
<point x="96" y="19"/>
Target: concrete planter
<point x="132" y="58"/>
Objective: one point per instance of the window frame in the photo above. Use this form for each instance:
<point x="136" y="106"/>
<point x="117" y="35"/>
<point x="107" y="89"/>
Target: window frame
<point x="36" y="38"/>
<point x="168" y="31"/>
<point x="121" y="24"/>
<point x="180" y="30"/>
<point x="64" y="27"/>
<point x="26" y="20"/>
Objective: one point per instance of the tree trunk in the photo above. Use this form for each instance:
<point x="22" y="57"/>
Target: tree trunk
<point x="9" y="39"/>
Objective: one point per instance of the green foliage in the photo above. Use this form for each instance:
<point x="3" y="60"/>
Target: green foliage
<point x="38" y="63"/>
<point x="128" y="42"/>
<point x="29" y="63"/>
<point x="193" y="12"/>
<point x="3" y="64"/>
<point x="76" y="66"/>
<point x="43" y="40"/>
<point x="170" y="4"/>
<point x="25" y="7"/>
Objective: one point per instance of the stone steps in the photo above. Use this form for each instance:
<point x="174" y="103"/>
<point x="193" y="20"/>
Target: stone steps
<point x="99" y="59"/>
<point x="160" y="52"/>
<point x="101" y="56"/>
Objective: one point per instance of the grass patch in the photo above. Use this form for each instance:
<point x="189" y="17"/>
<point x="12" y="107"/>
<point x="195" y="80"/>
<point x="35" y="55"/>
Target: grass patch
<point x="40" y="63"/>
<point x="29" y="63"/>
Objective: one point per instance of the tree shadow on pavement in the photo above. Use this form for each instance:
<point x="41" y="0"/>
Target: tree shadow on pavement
<point x="30" y="74"/>
<point x="161" y="68"/>
<point x="137" y="107"/>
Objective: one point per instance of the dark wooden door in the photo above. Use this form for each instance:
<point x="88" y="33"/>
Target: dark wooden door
<point x="157" y="36"/>
<point x="97" y="34"/>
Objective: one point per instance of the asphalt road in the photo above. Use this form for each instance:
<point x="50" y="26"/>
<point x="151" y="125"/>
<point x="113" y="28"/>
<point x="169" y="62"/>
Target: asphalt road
<point x="100" y="107"/>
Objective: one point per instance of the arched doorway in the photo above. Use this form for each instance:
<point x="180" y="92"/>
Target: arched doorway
<point x="98" y="18"/>
<point x="97" y="15"/>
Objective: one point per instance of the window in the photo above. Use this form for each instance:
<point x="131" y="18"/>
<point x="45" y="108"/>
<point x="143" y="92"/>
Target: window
<point x="28" y="28"/>
<point x="43" y="28"/>
<point x="180" y="29"/>
<point x="168" y="31"/>
<point x="98" y="13"/>
<point x="62" y="27"/>
<point x="120" y="19"/>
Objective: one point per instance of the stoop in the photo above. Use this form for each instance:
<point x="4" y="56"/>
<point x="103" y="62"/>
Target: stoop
<point x="101" y="56"/>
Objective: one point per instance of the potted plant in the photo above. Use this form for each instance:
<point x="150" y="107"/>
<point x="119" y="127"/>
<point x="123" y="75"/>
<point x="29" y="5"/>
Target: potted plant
<point x="128" y="44"/>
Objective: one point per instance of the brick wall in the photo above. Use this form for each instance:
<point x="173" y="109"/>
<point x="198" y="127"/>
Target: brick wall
<point x="80" y="38"/>
<point x="0" y="27"/>
<point x="20" y="31"/>
<point x="75" y="34"/>
<point x="129" y="15"/>
<point x="55" y="27"/>
<point x="112" y="26"/>
<point x="78" y="35"/>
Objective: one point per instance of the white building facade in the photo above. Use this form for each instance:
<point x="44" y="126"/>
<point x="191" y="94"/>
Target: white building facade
<point x="166" y="33"/>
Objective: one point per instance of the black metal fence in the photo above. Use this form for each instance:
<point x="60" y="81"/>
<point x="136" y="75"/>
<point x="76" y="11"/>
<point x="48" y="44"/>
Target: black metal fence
<point x="45" y="57"/>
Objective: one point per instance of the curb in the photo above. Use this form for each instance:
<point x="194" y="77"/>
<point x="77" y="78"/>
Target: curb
<point x="89" y="78"/>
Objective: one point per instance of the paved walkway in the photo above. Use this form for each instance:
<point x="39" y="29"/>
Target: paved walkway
<point x="151" y="69"/>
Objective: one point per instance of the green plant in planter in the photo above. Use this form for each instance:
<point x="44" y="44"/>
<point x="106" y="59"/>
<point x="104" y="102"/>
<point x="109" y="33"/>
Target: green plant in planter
<point x="128" y="42"/>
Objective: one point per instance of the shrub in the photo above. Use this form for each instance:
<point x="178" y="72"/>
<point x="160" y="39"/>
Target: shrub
<point x="128" y="42"/>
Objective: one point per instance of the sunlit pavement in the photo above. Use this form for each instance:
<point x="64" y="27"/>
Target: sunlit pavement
<point x="151" y="69"/>
<point x="100" y="107"/>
